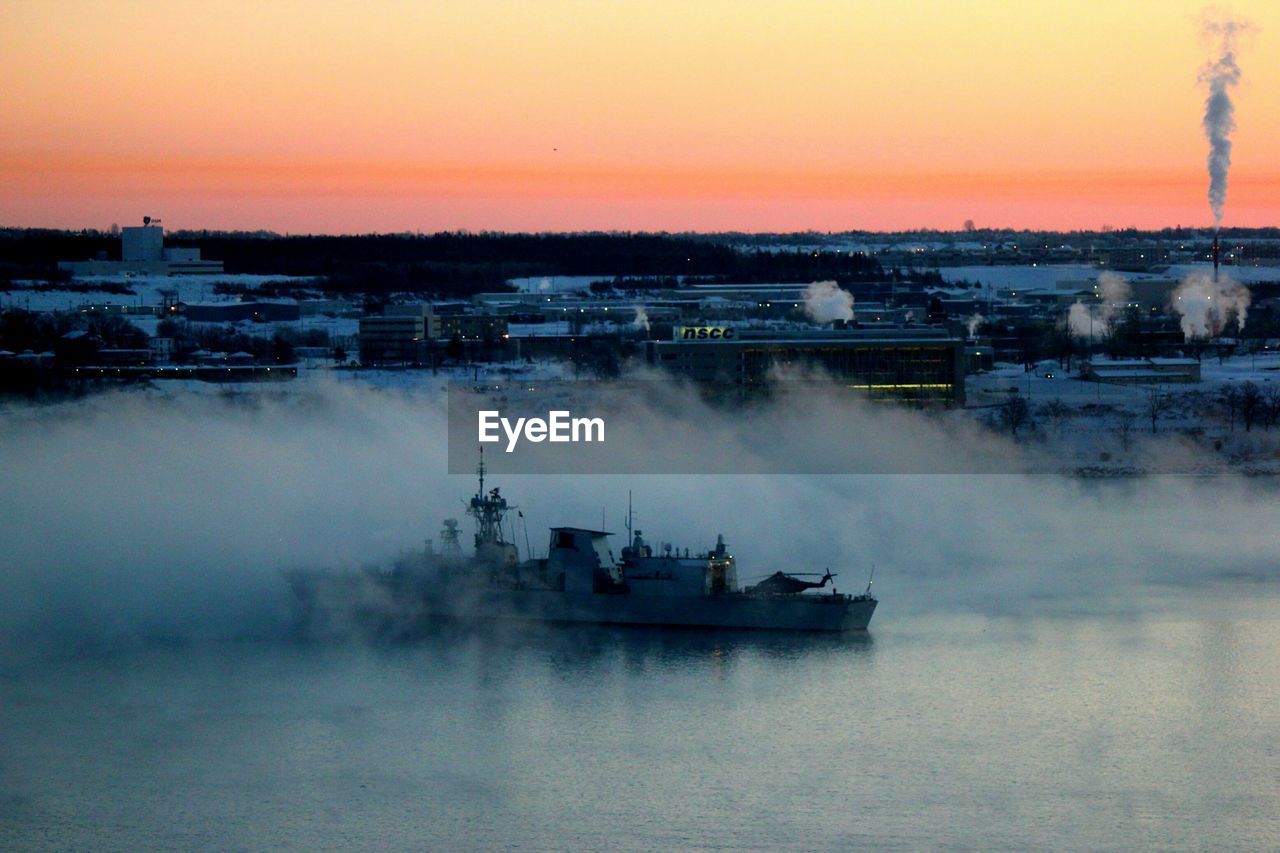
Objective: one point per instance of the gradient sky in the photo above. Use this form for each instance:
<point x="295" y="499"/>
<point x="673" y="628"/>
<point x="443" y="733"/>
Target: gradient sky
<point x="328" y="116"/>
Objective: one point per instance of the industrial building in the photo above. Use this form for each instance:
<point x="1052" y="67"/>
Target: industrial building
<point x="912" y="364"/>
<point x="142" y="252"/>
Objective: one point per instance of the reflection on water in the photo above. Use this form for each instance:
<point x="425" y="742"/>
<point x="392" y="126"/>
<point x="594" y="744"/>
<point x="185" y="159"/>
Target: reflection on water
<point x="958" y="731"/>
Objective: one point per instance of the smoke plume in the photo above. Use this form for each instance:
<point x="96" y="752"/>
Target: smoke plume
<point x="824" y="302"/>
<point x="1219" y="76"/>
<point x="1207" y="307"/>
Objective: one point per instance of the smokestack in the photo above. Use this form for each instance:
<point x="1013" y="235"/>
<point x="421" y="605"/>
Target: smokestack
<point x="1216" y="251"/>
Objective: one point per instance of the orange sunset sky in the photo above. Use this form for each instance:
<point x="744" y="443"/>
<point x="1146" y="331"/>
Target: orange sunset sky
<point x="325" y="116"/>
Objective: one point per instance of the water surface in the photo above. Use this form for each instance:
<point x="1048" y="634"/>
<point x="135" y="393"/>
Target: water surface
<point x="932" y="731"/>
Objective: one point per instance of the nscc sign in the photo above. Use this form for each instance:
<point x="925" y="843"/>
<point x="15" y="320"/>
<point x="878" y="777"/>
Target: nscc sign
<point x="704" y="333"/>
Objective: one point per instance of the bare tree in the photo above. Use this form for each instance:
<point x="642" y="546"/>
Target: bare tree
<point x="1271" y="406"/>
<point x="1062" y="344"/>
<point x="1230" y="398"/>
<point x="1111" y="334"/>
<point x="1125" y="420"/>
<point x="1157" y="404"/>
<point x="1015" y="413"/>
<point x="1056" y="413"/>
<point x="1252" y="404"/>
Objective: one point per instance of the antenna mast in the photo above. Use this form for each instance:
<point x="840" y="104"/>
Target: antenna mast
<point x="488" y="510"/>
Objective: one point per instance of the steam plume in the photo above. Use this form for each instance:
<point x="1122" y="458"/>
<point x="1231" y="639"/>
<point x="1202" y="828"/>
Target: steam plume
<point x="973" y="322"/>
<point x="642" y="318"/>
<point x="1207" y="306"/>
<point x="1219" y="76"/>
<point x="824" y="302"/>
<point x="1114" y="292"/>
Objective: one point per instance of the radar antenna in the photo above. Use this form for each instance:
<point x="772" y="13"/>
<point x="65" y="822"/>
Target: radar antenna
<point x="449" y="539"/>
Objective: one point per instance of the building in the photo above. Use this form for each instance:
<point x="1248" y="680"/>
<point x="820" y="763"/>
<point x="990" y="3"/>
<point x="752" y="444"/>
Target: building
<point x="1146" y="371"/>
<point x="423" y="310"/>
<point x="402" y="332"/>
<point x="392" y="338"/>
<point x="1148" y="295"/>
<point x="142" y="243"/>
<point x="911" y="364"/>
<point x="234" y="312"/>
<point x="328" y="308"/>
<point x="472" y="327"/>
<point x="142" y="252"/>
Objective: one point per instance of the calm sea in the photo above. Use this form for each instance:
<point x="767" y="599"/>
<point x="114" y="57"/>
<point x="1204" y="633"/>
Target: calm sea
<point x="1084" y="732"/>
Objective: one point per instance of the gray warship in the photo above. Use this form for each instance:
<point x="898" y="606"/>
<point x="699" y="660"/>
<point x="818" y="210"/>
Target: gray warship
<point x="580" y="580"/>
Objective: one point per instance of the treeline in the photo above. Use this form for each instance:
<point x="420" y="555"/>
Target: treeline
<point x="36" y="331"/>
<point x="456" y="263"/>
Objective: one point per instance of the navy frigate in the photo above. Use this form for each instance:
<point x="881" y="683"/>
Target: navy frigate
<point x="580" y="580"/>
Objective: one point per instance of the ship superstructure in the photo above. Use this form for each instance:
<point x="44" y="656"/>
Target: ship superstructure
<point x="581" y="580"/>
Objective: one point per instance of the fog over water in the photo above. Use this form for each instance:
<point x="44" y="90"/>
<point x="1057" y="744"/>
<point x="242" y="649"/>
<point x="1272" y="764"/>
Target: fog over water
<point x="132" y="515"/>
<point x="1055" y="663"/>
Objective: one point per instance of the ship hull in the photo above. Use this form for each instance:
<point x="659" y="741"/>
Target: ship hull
<point x="778" y="613"/>
<point x="397" y="603"/>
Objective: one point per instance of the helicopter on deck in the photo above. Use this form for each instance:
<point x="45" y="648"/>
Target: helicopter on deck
<point x="789" y="583"/>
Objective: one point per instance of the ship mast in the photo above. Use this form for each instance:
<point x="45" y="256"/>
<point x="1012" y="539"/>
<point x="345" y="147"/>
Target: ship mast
<point x="488" y="510"/>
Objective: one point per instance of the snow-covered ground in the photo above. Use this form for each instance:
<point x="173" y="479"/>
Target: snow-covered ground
<point x="1044" y="277"/>
<point x="1047" y="276"/>
<point x="1049" y="382"/>
<point x="197" y="289"/>
<point x="146" y="291"/>
<point x="557" y="283"/>
<point x="410" y="381"/>
<point x="1107" y="427"/>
